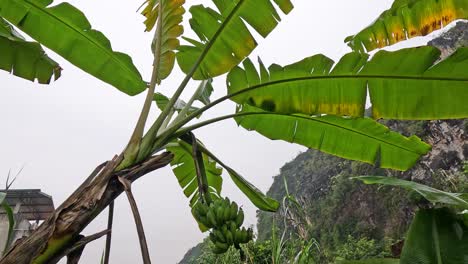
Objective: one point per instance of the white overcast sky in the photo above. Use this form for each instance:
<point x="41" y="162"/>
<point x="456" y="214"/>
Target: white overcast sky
<point x="60" y="132"/>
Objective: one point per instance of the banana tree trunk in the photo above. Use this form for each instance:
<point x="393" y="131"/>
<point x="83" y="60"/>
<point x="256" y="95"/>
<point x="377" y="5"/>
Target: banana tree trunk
<point x="54" y="238"/>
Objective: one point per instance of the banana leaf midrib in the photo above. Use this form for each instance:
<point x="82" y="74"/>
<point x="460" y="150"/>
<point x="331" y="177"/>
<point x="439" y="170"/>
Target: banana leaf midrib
<point x="350" y="76"/>
<point x="80" y="32"/>
<point x="311" y="118"/>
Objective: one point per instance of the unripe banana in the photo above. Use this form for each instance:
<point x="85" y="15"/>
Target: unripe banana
<point x="219" y="236"/>
<point x="225" y="218"/>
<point x="224" y="228"/>
<point x="217" y="203"/>
<point x="232" y="226"/>
<point x="245" y="236"/>
<point x="238" y="237"/>
<point x="234" y="209"/>
<point x="229" y="237"/>
<point x="222" y="245"/>
<point x="211" y="218"/>
<point x="211" y="207"/>
<point x="220" y="215"/>
<point x="219" y="248"/>
<point x="240" y="218"/>
<point x="227" y="213"/>
<point x="205" y="222"/>
<point x="203" y="209"/>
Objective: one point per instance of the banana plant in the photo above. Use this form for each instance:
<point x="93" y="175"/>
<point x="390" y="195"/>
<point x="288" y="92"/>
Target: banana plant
<point x="458" y="201"/>
<point x="314" y="102"/>
<point x="436" y="235"/>
<point x="23" y="58"/>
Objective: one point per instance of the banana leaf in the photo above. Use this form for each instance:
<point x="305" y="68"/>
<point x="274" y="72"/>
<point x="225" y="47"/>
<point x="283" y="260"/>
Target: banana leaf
<point x="225" y="39"/>
<point x="257" y="197"/>
<point x="436" y="236"/>
<point x="405" y="84"/>
<point x="360" y="139"/>
<point x="183" y="166"/>
<point x="407" y="19"/>
<point x="65" y="30"/>
<point x="171" y="28"/>
<point x="23" y="58"/>
<point x="457" y="200"/>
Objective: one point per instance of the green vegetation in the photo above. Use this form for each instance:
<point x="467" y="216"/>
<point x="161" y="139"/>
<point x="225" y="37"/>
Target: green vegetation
<point x="350" y="220"/>
<point x="314" y="102"/>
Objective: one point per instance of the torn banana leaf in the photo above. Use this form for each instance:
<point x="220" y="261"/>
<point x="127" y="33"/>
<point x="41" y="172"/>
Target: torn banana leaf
<point x="225" y="37"/>
<point x="65" y="30"/>
<point x="171" y="29"/>
<point x="405" y="84"/>
<point x="407" y="19"/>
<point x="23" y="58"/>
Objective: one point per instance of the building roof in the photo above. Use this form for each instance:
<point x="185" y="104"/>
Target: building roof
<point x="33" y="204"/>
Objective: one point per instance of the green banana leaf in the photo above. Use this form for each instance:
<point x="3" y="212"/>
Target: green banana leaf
<point x="257" y="197"/>
<point x="171" y="29"/>
<point x="405" y="84"/>
<point x="11" y="220"/>
<point x="183" y="166"/>
<point x="407" y="19"/>
<point x="433" y="195"/>
<point x="65" y="30"/>
<point x="23" y="58"/>
<point x="360" y="139"/>
<point x="436" y="236"/>
<point x="225" y="39"/>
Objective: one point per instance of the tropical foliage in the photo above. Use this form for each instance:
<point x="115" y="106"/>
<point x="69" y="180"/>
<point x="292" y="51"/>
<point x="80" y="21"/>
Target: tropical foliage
<point x="407" y="19"/>
<point x="25" y="59"/>
<point x="312" y="102"/>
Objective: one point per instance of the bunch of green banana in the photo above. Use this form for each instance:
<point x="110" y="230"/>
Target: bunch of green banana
<point x="225" y="219"/>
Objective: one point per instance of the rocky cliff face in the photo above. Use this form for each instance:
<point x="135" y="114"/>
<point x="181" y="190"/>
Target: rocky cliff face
<point x="452" y="39"/>
<point x="449" y="148"/>
<point x="337" y="207"/>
